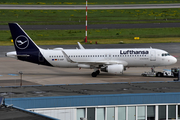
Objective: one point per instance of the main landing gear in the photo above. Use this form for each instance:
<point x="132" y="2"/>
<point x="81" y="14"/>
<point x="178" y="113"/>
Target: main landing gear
<point x="94" y="74"/>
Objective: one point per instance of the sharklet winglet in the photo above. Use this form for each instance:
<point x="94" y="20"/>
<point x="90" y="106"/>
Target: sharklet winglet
<point x="80" y="46"/>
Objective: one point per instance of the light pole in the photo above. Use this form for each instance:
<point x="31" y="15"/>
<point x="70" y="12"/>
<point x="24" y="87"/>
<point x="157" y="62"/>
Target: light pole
<point x="21" y="73"/>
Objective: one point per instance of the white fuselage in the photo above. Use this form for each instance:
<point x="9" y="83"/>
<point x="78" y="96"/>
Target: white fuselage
<point x="128" y="57"/>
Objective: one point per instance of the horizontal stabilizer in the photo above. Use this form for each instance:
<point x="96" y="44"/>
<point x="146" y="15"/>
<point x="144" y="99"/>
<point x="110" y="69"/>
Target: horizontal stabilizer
<point x="22" y="55"/>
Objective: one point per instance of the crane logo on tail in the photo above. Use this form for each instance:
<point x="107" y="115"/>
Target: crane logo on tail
<point x="22" y="42"/>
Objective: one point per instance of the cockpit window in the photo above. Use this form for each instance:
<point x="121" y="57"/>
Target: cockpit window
<point x="165" y="54"/>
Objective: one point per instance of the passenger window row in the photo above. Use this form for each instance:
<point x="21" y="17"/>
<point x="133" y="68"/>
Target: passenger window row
<point x="99" y="56"/>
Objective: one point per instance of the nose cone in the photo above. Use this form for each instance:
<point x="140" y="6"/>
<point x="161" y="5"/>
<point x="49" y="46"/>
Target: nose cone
<point x="173" y="60"/>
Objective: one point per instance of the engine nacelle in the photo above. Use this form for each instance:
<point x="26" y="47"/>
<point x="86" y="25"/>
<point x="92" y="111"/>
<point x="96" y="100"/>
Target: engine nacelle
<point x="114" y="69"/>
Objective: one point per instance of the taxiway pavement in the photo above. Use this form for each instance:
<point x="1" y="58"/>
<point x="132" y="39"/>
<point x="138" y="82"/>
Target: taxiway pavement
<point x="43" y="75"/>
<point x="83" y="7"/>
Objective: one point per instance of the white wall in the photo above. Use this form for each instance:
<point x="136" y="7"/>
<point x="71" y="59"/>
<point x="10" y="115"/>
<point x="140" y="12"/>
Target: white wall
<point x="115" y="112"/>
<point x="59" y="113"/>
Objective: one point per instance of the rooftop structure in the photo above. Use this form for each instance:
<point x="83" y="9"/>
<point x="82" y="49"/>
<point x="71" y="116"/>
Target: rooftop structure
<point x="89" y="89"/>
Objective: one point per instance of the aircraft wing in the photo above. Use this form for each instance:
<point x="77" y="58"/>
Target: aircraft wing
<point x="103" y="62"/>
<point x="67" y="57"/>
<point x="108" y="62"/>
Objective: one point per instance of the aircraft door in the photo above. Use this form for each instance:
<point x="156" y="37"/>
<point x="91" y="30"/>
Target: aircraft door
<point x="107" y="56"/>
<point x="40" y="57"/>
<point x="153" y="55"/>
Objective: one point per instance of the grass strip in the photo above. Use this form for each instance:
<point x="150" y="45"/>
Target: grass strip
<point x="74" y="17"/>
<point x="103" y="36"/>
<point x="102" y="41"/>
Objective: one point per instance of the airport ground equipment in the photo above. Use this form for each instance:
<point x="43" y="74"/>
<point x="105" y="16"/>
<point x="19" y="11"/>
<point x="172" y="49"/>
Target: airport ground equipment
<point x="149" y="74"/>
<point x="1" y="101"/>
<point x="173" y="72"/>
<point x="178" y="76"/>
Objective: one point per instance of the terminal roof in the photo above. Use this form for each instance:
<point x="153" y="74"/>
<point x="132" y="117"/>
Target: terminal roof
<point x="89" y="89"/>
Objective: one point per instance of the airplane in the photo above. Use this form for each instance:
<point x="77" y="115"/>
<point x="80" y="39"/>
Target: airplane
<point x="113" y="61"/>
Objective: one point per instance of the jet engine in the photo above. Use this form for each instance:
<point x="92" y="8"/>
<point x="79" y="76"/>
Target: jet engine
<point x="113" y="69"/>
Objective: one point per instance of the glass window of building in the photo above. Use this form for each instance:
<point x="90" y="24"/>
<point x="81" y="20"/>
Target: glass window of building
<point x="91" y="113"/>
<point x="171" y="112"/>
<point x="162" y="112"/>
<point x="150" y="112"/>
<point x="121" y="113"/>
<point x="178" y="111"/>
<point x="80" y="113"/>
<point x="110" y="113"/>
<point x="100" y="114"/>
<point x="132" y="113"/>
<point x="141" y="112"/>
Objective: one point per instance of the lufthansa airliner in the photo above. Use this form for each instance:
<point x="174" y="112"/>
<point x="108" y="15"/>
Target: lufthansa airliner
<point x="113" y="61"/>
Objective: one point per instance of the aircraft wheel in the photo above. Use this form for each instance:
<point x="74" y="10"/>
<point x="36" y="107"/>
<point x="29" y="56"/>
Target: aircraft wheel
<point x="94" y="74"/>
<point x="159" y="74"/>
<point x="97" y="72"/>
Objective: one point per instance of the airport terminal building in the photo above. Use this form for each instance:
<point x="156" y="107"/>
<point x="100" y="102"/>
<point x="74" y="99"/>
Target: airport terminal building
<point x="110" y="101"/>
